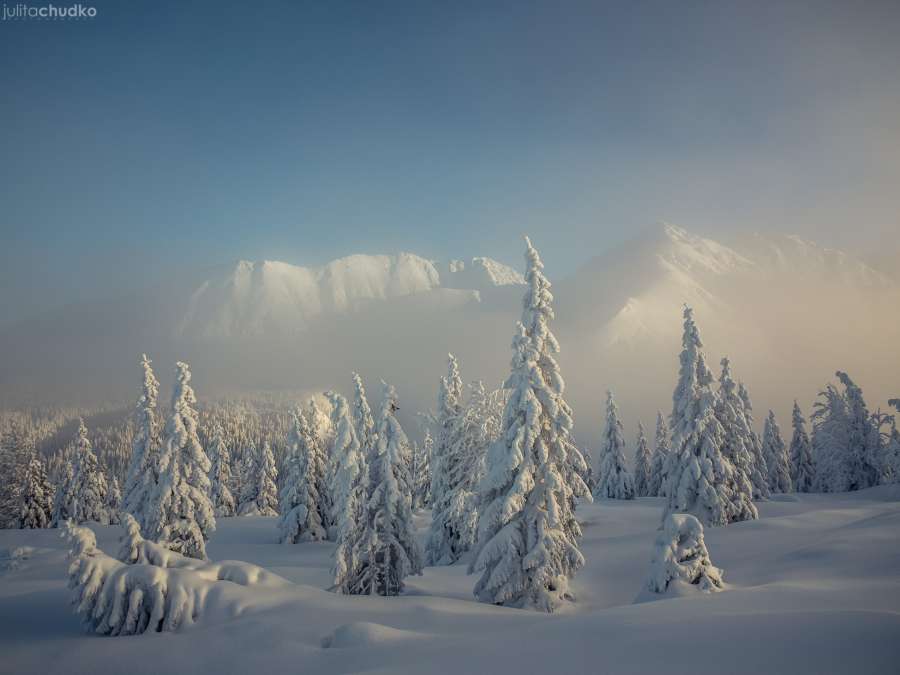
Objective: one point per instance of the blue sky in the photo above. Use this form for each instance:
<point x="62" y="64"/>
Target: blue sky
<point x="163" y="136"/>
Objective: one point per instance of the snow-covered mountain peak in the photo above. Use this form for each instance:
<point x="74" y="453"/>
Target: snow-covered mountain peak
<point x="692" y="253"/>
<point x="481" y="274"/>
<point x="794" y="255"/>
<point x="258" y="298"/>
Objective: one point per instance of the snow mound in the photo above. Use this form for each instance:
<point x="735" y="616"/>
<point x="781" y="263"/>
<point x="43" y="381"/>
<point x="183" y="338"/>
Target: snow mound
<point x="365" y="634"/>
<point x="11" y="559"/>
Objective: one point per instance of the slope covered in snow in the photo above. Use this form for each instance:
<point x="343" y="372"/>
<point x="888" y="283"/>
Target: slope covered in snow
<point x="811" y="587"/>
<point x="258" y="298"/>
<point x="270" y="297"/>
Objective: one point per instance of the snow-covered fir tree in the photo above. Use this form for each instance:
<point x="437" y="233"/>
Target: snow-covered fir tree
<point x="661" y="449"/>
<point x="759" y="475"/>
<point x="260" y="494"/>
<point x="680" y="557"/>
<point x="803" y="472"/>
<point x="740" y="447"/>
<point x="454" y="516"/>
<point x="776" y="456"/>
<point x="830" y="442"/>
<point x="16" y="450"/>
<point x="37" y="497"/>
<point x="305" y="506"/>
<point x="483" y="419"/>
<point x="642" y="463"/>
<point x="182" y="516"/>
<point x="614" y="480"/>
<point x="700" y="480"/>
<point x="891" y="461"/>
<point x="143" y="472"/>
<point x="249" y="473"/>
<point x="350" y="501"/>
<point x="362" y="418"/>
<point x="322" y="430"/>
<point x="402" y="449"/>
<point x="421" y="472"/>
<point x="63" y="501"/>
<point x="393" y="550"/>
<point x="87" y="491"/>
<point x="844" y="439"/>
<point x="863" y="435"/>
<point x="114" y="501"/>
<point x="528" y="536"/>
<point x="220" y="475"/>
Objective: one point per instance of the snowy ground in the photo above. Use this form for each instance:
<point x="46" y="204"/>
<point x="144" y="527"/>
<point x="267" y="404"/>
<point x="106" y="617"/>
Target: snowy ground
<point x="814" y="586"/>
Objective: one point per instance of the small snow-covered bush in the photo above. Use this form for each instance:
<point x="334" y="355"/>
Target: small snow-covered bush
<point x="680" y="557"/>
<point x="118" y="599"/>
<point x="153" y="590"/>
<point x="135" y="550"/>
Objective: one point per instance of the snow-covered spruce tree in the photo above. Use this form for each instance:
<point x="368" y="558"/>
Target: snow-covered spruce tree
<point x="614" y="480"/>
<point x="62" y="497"/>
<point x="449" y="426"/>
<point x="642" y="464"/>
<point x="453" y="512"/>
<point x="114" y="501"/>
<point x="844" y="439"/>
<point x="304" y="501"/>
<point x="700" y="480"/>
<point x="319" y="422"/>
<point x="16" y="450"/>
<point x="421" y="472"/>
<point x="267" y="494"/>
<point x="220" y="474"/>
<point x="863" y="436"/>
<point x="891" y="460"/>
<point x="776" y="456"/>
<point x="182" y="516"/>
<point x="680" y="557"/>
<point x="759" y="475"/>
<point x="350" y="501"/>
<point x="528" y="536"/>
<point x="362" y="418"/>
<point x="37" y="497"/>
<point x="88" y="488"/>
<point x="143" y="472"/>
<point x="478" y="428"/>
<point x="322" y="430"/>
<point x="392" y="547"/>
<point x="830" y="442"/>
<point x="661" y="450"/>
<point x="481" y="428"/>
<point x="249" y="471"/>
<point x="803" y="472"/>
<point x="740" y="439"/>
<point x="260" y="495"/>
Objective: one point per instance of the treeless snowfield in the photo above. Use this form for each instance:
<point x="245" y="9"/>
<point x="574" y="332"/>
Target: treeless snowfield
<point x="812" y="587"/>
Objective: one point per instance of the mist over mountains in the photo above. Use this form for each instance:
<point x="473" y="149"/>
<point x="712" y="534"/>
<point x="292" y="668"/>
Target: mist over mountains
<point x="786" y="311"/>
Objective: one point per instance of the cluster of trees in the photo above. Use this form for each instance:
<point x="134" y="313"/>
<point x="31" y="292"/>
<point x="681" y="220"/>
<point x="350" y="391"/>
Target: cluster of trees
<point x="714" y="465"/>
<point x="500" y="472"/>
